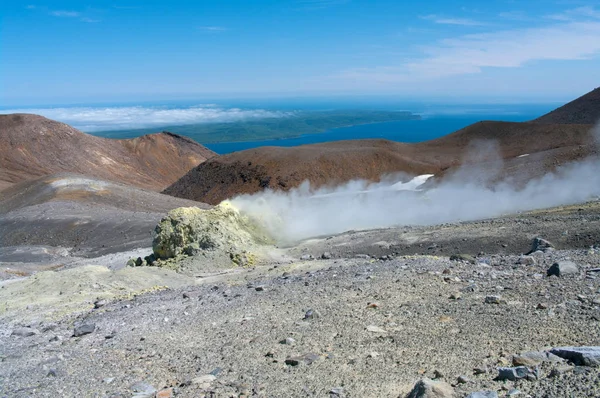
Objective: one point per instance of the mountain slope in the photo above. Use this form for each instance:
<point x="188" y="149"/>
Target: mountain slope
<point x="583" y="110"/>
<point x="337" y="162"/>
<point x="33" y="146"/>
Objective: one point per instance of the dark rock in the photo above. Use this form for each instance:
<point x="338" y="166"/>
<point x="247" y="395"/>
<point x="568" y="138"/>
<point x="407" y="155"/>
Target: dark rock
<point x="512" y="374"/>
<point x="308" y="359"/>
<point x="563" y="268"/>
<point x="83" y="329"/>
<point x="493" y="300"/>
<point x="259" y="288"/>
<point x="326" y="256"/>
<point x="463" y="380"/>
<point x="541" y="245"/>
<point x="582" y="356"/>
<point x="312" y="314"/>
<point x="100" y="303"/>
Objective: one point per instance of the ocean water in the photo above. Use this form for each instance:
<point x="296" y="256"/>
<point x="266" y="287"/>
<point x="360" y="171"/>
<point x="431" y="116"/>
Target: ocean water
<point x="430" y="127"/>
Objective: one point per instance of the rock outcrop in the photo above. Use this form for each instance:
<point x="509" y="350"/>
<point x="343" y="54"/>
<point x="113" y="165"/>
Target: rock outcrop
<point x="221" y="231"/>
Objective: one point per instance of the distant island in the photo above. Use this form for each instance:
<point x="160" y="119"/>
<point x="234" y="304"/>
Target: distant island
<point x="298" y="123"/>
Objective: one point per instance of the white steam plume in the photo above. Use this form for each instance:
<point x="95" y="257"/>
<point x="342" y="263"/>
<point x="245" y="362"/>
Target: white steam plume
<point x="467" y="195"/>
<point x="90" y="119"/>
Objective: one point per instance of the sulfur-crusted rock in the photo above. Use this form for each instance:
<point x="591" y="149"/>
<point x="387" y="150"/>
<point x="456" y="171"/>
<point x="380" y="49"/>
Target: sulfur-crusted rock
<point x="191" y="231"/>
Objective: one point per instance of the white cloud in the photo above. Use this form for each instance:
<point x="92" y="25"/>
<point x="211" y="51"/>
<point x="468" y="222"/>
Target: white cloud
<point x="65" y="14"/>
<point x="451" y="21"/>
<point x="120" y="118"/>
<point x="575" y="14"/>
<point x="503" y="49"/>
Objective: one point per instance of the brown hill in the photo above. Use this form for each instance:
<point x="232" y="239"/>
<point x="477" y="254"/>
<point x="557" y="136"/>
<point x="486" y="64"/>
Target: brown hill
<point x="583" y="110"/>
<point x="546" y="146"/>
<point x="33" y="146"/>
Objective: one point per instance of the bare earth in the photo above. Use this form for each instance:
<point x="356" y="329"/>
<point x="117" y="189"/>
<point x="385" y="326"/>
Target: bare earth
<point x="378" y="325"/>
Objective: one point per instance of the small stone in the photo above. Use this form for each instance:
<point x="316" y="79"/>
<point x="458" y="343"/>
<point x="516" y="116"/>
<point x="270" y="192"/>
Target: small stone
<point x="531" y="358"/>
<point x="312" y="314"/>
<point x="166" y="393"/>
<point x="308" y="359"/>
<point x="24" y="332"/>
<point x="437" y="374"/>
<point x="563" y="268"/>
<point x="259" y="288"/>
<point x="427" y="388"/>
<point x="555" y="372"/>
<point x="513" y="392"/>
<point x="542" y="306"/>
<point x="372" y="305"/>
<point x="307" y="257"/>
<point x="336" y="391"/>
<point x="493" y="300"/>
<point x="83" y="329"/>
<point x="455" y="296"/>
<point x="326" y="256"/>
<point x="51" y="373"/>
<point x="463" y="380"/>
<point x="185" y="296"/>
<point x="375" y="329"/>
<point x="100" y="303"/>
<point x="204" y="381"/>
<point x="288" y="341"/>
<point x="480" y="371"/>
<point x="483" y="394"/>
<point x="512" y="374"/>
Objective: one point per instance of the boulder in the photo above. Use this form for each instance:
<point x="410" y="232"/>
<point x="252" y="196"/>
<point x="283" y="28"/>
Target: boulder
<point x="563" y="268"/>
<point x="427" y="388"/>
<point x="581" y="356"/>
<point x="192" y="231"/>
<point x="83" y="329"/>
<point x="512" y="374"/>
<point x="541" y="245"/>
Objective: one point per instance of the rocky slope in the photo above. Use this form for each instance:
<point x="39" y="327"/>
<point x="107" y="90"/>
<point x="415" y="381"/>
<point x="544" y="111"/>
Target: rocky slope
<point x="544" y="147"/>
<point x="33" y="146"/>
<point x="55" y="220"/>
<point x="583" y="110"/>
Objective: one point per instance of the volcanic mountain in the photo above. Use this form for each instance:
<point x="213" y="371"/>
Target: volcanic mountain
<point x="583" y="110"/>
<point x="33" y="146"/>
<point x="524" y="151"/>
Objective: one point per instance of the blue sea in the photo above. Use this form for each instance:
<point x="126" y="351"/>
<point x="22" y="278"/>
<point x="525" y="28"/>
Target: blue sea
<point x="437" y="119"/>
<point x="434" y="124"/>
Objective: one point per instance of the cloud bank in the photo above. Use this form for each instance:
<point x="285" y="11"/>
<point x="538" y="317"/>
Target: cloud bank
<point x="92" y="119"/>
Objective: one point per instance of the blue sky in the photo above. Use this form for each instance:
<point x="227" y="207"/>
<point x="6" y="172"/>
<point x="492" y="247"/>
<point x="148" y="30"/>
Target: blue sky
<point x="76" y="51"/>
